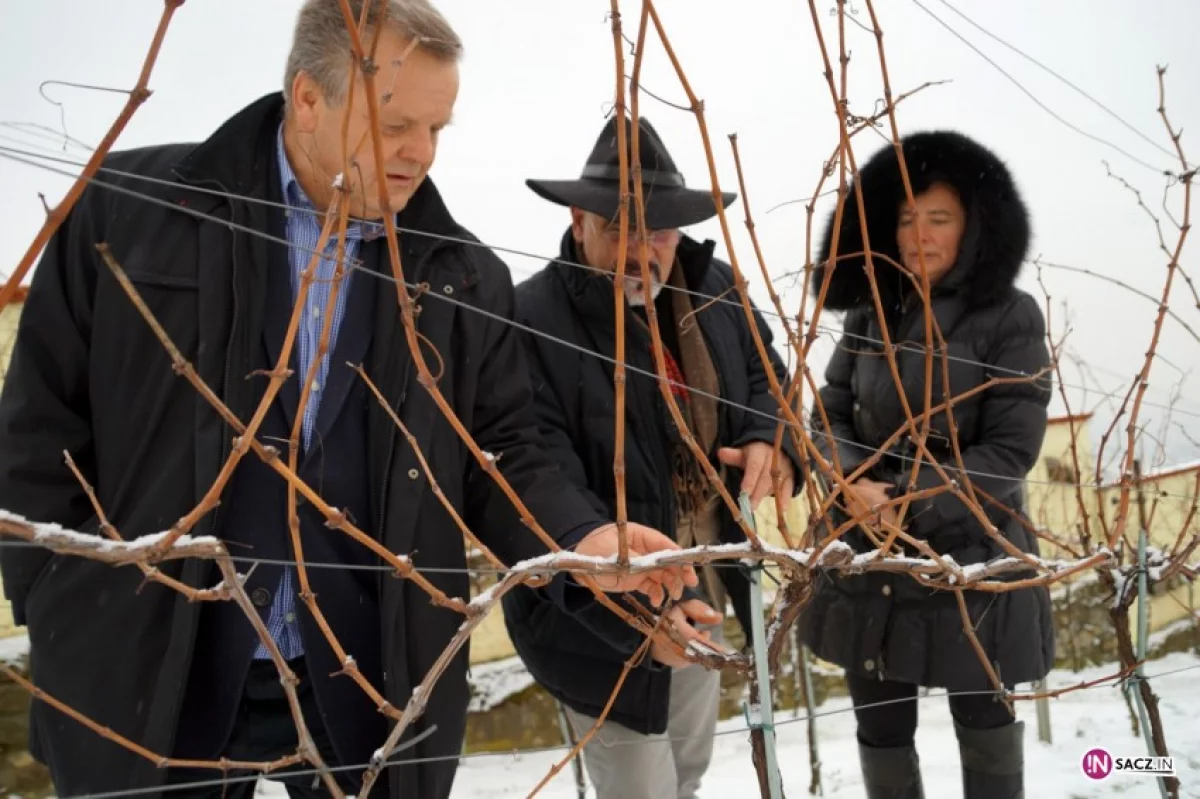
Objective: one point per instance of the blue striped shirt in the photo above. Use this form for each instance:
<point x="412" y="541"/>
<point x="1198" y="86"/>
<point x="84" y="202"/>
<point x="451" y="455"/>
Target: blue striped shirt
<point x="303" y="231"/>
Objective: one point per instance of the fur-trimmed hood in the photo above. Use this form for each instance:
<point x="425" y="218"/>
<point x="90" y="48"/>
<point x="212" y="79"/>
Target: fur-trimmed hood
<point x="995" y="240"/>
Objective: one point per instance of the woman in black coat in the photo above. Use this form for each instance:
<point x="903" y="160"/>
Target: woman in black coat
<point x="890" y="633"/>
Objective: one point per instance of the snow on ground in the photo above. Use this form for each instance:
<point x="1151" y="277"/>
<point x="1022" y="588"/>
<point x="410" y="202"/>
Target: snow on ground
<point x="1080" y="721"/>
<point x="493" y="683"/>
<point x="14" y="648"/>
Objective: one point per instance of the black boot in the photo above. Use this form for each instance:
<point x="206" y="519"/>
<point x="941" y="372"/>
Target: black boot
<point x="993" y="761"/>
<point x="891" y="773"/>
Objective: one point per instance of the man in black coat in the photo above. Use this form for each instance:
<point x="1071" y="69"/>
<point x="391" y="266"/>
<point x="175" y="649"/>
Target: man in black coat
<point x="199" y="229"/>
<point x="657" y="739"/>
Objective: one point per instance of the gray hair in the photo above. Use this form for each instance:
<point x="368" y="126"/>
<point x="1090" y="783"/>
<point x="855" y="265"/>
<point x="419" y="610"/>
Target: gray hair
<point x="321" y="44"/>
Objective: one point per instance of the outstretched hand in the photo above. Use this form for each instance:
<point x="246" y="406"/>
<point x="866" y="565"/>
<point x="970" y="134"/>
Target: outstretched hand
<point x="754" y="459"/>
<point x="658" y="583"/>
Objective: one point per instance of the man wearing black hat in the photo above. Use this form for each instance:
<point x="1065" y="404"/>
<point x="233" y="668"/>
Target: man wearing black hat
<point x="663" y="719"/>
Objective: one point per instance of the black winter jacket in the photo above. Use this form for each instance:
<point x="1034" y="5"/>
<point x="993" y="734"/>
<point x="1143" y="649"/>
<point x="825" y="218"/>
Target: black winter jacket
<point x="579" y="658"/>
<point x="88" y="376"/>
<point x="890" y="626"/>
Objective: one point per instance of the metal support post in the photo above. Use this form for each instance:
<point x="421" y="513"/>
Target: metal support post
<point x="1139" y="675"/>
<point x="764" y="719"/>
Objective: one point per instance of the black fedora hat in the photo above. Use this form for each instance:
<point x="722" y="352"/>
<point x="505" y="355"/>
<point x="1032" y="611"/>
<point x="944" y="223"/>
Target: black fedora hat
<point x="669" y="203"/>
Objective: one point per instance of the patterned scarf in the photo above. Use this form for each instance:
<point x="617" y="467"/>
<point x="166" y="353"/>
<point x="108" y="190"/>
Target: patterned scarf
<point x="696" y="499"/>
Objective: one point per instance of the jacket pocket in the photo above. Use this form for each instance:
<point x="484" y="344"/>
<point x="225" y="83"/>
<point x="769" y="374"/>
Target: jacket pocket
<point x="128" y="344"/>
<point x="153" y="280"/>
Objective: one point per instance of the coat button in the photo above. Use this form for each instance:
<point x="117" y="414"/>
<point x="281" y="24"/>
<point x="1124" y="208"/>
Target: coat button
<point x="869" y="665"/>
<point x="413" y="474"/>
<point x="887" y="590"/>
<point x="261" y="597"/>
<point x="856" y="406"/>
<point x="447" y="289"/>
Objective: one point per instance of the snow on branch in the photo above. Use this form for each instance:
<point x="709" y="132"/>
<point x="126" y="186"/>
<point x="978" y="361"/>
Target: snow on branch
<point x="68" y="542"/>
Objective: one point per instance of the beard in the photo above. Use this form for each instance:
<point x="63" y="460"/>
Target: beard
<point x="634" y="292"/>
<point x="635" y="295"/>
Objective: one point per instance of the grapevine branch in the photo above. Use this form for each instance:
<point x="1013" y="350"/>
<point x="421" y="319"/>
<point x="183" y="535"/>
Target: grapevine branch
<point x="54" y="219"/>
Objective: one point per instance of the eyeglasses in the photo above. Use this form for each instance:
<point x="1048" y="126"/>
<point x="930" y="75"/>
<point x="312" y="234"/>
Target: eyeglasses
<point x="613" y="234"/>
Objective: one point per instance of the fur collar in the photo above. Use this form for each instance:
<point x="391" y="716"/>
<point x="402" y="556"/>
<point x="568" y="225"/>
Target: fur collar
<point x="995" y="241"/>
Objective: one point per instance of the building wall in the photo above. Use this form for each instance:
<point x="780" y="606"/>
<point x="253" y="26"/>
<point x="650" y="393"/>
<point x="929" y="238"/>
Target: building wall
<point x="8" y="329"/>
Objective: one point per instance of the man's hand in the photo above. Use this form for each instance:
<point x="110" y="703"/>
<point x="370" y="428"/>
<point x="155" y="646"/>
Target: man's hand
<point x="602" y="543"/>
<point x="754" y="459"/>
<point x="681" y="617"/>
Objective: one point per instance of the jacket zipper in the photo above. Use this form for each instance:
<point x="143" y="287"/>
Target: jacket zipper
<point x="379" y="492"/>
<point x="226" y="445"/>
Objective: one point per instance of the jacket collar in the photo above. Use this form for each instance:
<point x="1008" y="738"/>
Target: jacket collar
<point x="236" y="158"/>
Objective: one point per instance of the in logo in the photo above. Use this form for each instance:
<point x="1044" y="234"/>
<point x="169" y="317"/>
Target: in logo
<point x="1097" y="763"/>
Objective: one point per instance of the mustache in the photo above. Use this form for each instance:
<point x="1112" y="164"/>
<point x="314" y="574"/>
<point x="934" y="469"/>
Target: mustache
<point x="633" y="269"/>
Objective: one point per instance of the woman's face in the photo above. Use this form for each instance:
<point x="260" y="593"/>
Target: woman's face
<point x="942" y="220"/>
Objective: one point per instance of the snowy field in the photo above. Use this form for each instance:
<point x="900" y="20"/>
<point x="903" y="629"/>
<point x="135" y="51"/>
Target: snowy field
<point x="1080" y="721"/>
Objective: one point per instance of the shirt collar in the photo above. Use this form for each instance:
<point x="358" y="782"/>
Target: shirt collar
<point x="297" y="200"/>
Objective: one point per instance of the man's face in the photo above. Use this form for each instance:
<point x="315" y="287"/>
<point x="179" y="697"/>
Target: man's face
<point x="416" y="99"/>
<point x="600" y="239"/>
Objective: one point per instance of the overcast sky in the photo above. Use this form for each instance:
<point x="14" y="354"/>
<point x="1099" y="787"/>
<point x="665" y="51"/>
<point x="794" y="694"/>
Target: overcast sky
<point x="538" y="82"/>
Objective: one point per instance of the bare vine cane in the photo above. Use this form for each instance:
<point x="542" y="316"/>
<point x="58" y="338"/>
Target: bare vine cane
<point x="652" y="315"/>
<point x="269" y="455"/>
<point x="277" y="378"/>
<point x="339" y="209"/>
<point x="1055" y="350"/>
<point x="406" y="304"/>
<point x="54" y="218"/>
<point x="118" y="552"/>
<point x="619" y="283"/>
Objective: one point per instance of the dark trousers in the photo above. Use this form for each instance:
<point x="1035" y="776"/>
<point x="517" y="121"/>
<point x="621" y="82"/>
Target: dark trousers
<point x="265" y="731"/>
<point x="895" y="724"/>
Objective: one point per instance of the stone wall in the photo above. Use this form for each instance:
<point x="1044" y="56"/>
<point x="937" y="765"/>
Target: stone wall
<point x="20" y="775"/>
<point x="8" y="328"/>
